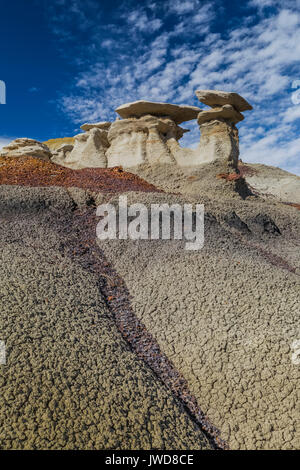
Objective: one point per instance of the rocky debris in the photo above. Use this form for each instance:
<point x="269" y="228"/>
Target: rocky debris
<point x="178" y="113"/>
<point x="226" y="112"/>
<point x="89" y="150"/>
<point x="28" y="171"/>
<point x="265" y="224"/>
<point x="104" y="125"/>
<point x="235" y="222"/>
<point x="26" y="147"/>
<point x="216" y="98"/>
<point x="134" y="141"/>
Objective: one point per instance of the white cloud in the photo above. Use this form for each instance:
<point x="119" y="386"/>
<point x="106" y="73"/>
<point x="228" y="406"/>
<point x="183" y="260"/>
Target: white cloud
<point x="263" y="4"/>
<point x="139" y="20"/>
<point x="269" y="152"/>
<point x="291" y="114"/>
<point x="182" y="6"/>
<point x="5" y="141"/>
<point x="149" y="57"/>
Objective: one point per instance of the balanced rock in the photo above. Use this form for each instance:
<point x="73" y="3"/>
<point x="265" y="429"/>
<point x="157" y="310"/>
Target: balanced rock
<point x="104" y="125"/>
<point x="219" y="135"/>
<point x="178" y="113"/>
<point x="227" y="112"/>
<point x="216" y="98"/>
<point x="26" y="147"/>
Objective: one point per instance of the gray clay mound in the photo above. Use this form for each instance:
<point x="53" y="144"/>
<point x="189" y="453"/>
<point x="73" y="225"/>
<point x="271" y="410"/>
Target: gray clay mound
<point x="266" y="181"/>
<point x="71" y="381"/>
<point x="228" y="314"/>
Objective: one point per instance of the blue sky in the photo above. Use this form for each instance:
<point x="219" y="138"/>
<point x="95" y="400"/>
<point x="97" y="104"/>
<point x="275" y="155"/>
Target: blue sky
<point x="66" y="62"/>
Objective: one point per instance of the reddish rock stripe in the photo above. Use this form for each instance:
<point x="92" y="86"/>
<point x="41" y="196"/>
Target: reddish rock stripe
<point x="86" y="252"/>
<point x="28" y="171"/>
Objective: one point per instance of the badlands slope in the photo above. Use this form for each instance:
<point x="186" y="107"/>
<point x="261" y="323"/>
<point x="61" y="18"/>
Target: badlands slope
<point x="225" y="317"/>
<point x="71" y="381"/>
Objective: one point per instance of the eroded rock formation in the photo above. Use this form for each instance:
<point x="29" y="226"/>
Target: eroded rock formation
<point x="149" y="133"/>
<point x="219" y="134"/>
<point x="60" y="155"/>
<point x="137" y="140"/>
<point x="23" y="147"/>
<point x="88" y="151"/>
<point x="103" y="125"/>
<point x="219" y="141"/>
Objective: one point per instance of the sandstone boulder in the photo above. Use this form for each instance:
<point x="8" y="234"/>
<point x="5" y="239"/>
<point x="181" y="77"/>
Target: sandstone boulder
<point x="216" y="98"/>
<point x="227" y="112"/>
<point x="104" y="125"/>
<point x="26" y="147"/>
<point x="177" y="113"/>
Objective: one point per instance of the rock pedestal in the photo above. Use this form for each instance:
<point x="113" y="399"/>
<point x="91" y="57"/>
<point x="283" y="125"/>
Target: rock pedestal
<point x="127" y="143"/>
<point x="142" y="139"/>
<point x="88" y="151"/>
<point x="219" y="135"/>
<point x="219" y="141"/>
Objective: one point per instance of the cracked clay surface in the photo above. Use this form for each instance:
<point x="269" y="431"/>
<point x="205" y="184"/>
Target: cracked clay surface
<point x="70" y="381"/>
<point x="227" y="315"/>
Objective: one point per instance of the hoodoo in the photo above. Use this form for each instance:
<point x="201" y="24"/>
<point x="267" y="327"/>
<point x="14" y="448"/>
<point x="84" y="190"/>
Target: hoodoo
<point x="149" y="132"/>
<point x="219" y="134"/>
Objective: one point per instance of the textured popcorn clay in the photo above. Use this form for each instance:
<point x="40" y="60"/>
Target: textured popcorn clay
<point x="207" y="333"/>
<point x="71" y="381"/>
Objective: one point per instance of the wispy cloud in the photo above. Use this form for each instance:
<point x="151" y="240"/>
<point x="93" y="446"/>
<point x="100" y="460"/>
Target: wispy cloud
<point x="5" y="141"/>
<point x="140" y="21"/>
<point x="164" y="51"/>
